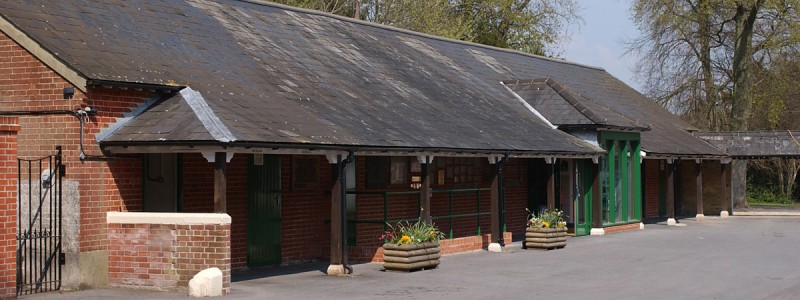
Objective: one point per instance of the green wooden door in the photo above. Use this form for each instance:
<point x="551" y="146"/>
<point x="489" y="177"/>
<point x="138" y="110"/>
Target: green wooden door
<point x="583" y="199"/>
<point x="264" y="211"/>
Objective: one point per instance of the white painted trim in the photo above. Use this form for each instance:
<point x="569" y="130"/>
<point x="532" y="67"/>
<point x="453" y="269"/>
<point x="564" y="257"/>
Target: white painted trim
<point x="167" y="218"/>
<point x="425" y="159"/>
<point x="333" y="158"/>
<point x="597" y="231"/>
<point x="494" y="158"/>
<point x="726" y="160"/>
<point x="550" y="160"/>
<point x="528" y="106"/>
<point x="27" y="43"/>
<point x="211" y="122"/>
<point x="211" y="156"/>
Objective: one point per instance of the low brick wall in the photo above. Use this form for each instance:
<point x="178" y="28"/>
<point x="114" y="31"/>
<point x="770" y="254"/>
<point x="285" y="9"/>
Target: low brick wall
<point x="622" y="228"/>
<point x="165" y="250"/>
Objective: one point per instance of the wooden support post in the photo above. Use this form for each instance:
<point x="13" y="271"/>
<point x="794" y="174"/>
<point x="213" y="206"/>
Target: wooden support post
<point x="495" y="207"/>
<point x="220" y="182"/>
<point x="551" y="185"/>
<point x="698" y="177"/>
<point x="336" y="267"/>
<point x="497" y="242"/>
<point x="425" y="191"/>
<point x="724" y="190"/>
<point x="671" y="193"/>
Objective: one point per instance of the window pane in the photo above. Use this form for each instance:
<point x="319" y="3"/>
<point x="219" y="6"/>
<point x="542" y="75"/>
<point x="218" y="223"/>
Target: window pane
<point x="377" y="172"/>
<point x="399" y="170"/>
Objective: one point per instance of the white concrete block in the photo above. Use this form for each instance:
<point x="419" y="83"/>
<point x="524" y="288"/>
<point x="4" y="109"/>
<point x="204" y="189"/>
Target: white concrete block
<point x="207" y="283"/>
<point x="700" y="217"/>
<point x="671" y="222"/>
<point x="597" y="231"/>
<point x="723" y="214"/>
<point x="336" y="270"/>
<point x="495" y="247"/>
<point x="641" y="225"/>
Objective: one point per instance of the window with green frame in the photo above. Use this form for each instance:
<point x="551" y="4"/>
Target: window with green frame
<point x="620" y="177"/>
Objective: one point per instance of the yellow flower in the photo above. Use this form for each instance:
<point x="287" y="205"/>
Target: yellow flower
<point x="545" y="224"/>
<point x="562" y="224"/>
<point x="433" y="233"/>
<point x="405" y="240"/>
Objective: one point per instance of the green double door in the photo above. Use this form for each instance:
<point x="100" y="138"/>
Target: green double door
<point x="264" y="210"/>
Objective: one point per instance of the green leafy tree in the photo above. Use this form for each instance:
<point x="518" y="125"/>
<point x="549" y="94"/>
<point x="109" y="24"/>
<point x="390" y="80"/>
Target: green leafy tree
<point x="534" y="26"/>
<point x="699" y="56"/>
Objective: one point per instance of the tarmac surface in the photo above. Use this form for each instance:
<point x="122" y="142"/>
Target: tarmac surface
<point x="734" y="258"/>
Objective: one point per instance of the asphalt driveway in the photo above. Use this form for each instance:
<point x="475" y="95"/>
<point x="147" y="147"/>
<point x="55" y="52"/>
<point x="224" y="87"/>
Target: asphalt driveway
<point x="735" y="258"/>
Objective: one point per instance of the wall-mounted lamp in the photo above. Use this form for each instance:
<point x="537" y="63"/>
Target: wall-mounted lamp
<point x="69" y="92"/>
<point x="90" y="111"/>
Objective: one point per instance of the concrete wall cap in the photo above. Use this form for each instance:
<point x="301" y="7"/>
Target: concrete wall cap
<point x="168" y="218"/>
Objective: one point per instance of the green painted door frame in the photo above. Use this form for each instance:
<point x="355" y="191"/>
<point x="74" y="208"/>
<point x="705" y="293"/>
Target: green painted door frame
<point x="264" y="210"/>
<point x="626" y="147"/>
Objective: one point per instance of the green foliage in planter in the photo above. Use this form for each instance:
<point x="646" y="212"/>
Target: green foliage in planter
<point x="546" y="219"/>
<point x="405" y="233"/>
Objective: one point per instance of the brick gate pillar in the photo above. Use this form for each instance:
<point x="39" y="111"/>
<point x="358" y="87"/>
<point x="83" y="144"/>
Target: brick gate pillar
<point x="9" y="126"/>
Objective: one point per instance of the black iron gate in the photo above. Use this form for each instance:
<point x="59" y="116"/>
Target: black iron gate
<point x="39" y="256"/>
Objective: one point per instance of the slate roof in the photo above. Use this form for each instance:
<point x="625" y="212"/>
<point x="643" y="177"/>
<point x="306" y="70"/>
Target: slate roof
<point x="275" y="74"/>
<point x="564" y="107"/>
<point x="755" y="144"/>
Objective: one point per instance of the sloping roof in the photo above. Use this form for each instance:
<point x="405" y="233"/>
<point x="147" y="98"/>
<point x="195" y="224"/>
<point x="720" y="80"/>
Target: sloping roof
<point x="284" y="75"/>
<point x="755" y="144"/>
<point x="564" y="107"/>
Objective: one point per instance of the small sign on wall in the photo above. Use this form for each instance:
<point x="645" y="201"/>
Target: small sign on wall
<point x="258" y="159"/>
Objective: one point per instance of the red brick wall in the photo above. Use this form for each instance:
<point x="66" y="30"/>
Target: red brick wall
<point x="27" y="84"/>
<point x="8" y="206"/>
<point x="651" y="191"/>
<point x="304" y="211"/>
<point x="622" y="228"/>
<point x="166" y="256"/>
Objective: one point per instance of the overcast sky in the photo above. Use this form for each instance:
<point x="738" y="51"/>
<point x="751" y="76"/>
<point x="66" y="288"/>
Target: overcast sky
<point x="599" y="41"/>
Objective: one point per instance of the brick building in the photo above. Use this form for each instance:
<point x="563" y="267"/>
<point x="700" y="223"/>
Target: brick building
<point x="239" y="134"/>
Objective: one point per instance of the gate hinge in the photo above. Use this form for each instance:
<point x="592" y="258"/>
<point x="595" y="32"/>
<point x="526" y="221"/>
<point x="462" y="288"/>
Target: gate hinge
<point x="62" y="258"/>
<point x="62" y="170"/>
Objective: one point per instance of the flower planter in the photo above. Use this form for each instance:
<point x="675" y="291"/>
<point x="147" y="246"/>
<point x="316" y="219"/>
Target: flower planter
<point x="411" y="257"/>
<point x="545" y="238"/>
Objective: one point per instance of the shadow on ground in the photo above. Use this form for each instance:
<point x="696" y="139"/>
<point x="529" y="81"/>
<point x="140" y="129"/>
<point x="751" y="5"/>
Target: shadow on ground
<point x="266" y="272"/>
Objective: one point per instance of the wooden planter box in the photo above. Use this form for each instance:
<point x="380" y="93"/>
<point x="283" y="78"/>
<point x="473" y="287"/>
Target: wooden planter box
<point x="545" y="238"/>
<point x="411" y="257"/>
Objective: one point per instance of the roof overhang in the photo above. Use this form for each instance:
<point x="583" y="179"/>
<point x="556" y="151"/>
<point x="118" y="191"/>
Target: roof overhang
<point x="310" y="149"/>
<point x="678" y="156"/>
